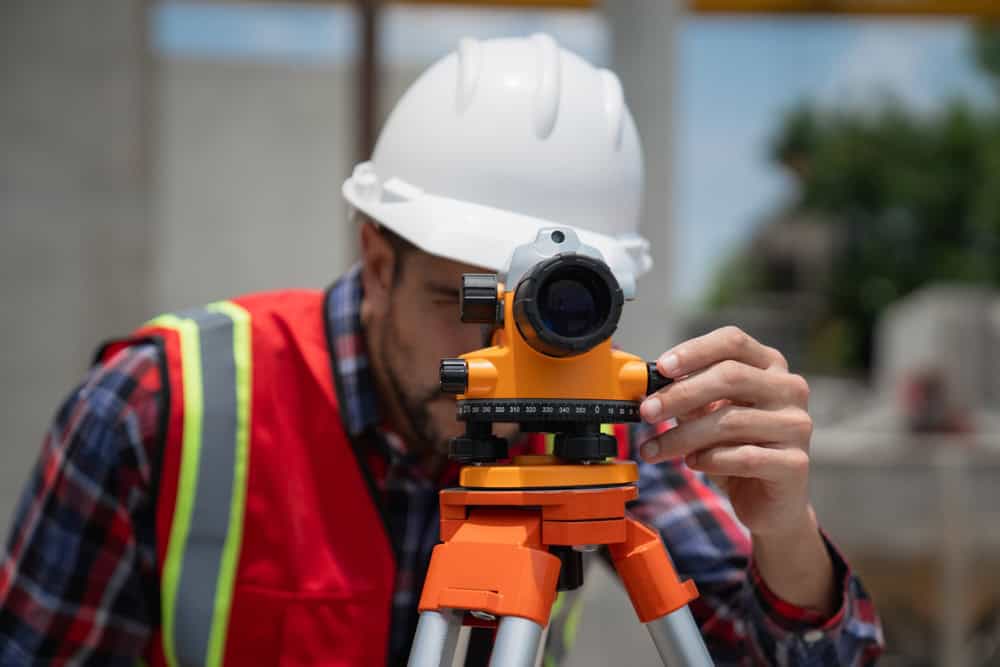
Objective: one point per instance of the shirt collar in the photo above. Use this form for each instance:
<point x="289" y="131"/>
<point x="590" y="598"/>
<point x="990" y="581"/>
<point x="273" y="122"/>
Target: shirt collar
<point x="358" y="399"/>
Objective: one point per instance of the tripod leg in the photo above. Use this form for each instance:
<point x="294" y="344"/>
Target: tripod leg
<point x="436" y="639"/>
<point x="659" y="597"/>
<point x="517" y="643"/>
<point x="678" y="639"/>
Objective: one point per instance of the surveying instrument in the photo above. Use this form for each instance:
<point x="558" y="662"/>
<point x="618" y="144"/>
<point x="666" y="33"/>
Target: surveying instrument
<point x="513" y="534"/>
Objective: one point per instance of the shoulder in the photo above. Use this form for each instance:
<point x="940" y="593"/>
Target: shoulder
<point x="107" y="427"/>
<point x="281" y="302"/>
<point x="126" y="379"/>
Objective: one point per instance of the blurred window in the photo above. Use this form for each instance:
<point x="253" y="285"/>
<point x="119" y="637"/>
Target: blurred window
<point x="409" y="34"/>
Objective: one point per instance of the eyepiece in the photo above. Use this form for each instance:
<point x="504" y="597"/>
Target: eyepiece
<point x="567" y="305"/>
<point x="479" y="302"/>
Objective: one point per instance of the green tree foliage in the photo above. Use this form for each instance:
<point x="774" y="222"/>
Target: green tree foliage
<point x="915" y="197"/>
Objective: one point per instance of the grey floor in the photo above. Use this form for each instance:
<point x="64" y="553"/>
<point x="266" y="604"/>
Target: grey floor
<point x="610" y="633"/>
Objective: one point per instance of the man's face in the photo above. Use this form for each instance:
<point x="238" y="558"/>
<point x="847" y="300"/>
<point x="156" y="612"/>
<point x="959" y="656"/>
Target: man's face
<point x="416" y="325"/>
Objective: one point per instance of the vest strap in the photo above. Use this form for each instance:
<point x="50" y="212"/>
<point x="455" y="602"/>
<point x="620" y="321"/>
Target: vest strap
<point x="199" y="570"/>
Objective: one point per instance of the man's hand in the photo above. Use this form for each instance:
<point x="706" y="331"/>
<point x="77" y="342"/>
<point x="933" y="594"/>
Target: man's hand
<point x="742" y="419"/>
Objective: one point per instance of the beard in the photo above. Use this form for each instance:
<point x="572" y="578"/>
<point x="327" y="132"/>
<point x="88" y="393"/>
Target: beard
<point x="414" y="401"/>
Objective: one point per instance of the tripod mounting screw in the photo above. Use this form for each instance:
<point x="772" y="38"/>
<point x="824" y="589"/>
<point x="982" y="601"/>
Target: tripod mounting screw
<point x="482" y="615"/>
<point x="454" y="376"/>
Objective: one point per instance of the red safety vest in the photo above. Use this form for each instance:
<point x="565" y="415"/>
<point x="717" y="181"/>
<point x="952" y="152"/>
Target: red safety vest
<point x="269" y="548"/>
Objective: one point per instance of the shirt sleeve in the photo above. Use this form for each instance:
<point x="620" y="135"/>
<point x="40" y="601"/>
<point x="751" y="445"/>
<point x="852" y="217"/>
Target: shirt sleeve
<point x="744" y="622"/>
<point x="78" y="576"/>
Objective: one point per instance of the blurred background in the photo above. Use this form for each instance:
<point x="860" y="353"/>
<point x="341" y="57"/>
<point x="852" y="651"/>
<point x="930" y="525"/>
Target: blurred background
<point x="823" y="173"/>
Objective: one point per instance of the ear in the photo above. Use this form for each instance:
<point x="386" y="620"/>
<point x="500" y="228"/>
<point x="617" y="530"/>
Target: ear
<point x="377" y="270"/>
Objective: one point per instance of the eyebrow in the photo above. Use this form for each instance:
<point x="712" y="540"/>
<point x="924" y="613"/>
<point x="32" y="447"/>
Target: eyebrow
<point x="441" y="290"/>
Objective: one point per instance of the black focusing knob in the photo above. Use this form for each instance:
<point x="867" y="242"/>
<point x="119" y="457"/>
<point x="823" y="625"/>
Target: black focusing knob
<point x="480" y="304"/>
<point x="454" y="376"/>
<point x="656" y="380"/>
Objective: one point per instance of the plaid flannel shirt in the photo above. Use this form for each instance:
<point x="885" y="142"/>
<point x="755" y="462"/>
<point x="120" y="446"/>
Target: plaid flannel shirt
<point x="78" y="579"/>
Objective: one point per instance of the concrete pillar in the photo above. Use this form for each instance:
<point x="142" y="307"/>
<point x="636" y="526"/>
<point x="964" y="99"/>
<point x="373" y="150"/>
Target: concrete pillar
<point x="251" y="157"/>
<point x="74" y="251"/>
<point x="643" y="35"/>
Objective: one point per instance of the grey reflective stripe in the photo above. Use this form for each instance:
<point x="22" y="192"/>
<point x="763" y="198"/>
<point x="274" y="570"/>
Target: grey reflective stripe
<point x="207" y="524"/>
<point x="200" y="567"/>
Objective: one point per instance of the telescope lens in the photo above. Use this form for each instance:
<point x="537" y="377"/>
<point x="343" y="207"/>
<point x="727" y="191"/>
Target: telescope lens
<point x="567" y="305"/>
<point x="571" y="304"/>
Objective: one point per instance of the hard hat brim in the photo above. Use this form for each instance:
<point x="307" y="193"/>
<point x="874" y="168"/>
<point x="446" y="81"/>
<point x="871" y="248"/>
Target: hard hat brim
<point x="475" y="234"/>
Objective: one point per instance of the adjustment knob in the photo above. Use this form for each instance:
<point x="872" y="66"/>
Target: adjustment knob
<point x="454" y="376"/>
<point x="656" y="380"/>
<point x="480" y="304"/>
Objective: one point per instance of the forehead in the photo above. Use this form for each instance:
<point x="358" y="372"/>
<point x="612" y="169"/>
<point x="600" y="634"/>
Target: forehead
<point x="440" y="270"/>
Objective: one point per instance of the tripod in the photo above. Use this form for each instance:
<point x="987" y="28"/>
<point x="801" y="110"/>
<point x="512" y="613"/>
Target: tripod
<point x="495" y="563"/>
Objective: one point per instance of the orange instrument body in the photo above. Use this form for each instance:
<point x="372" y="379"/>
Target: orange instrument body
<point x="512" y="368"/>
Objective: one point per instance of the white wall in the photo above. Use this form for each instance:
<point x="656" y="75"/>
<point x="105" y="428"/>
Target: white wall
<point x="74" y="229"/>
<point x="251" y="158"/>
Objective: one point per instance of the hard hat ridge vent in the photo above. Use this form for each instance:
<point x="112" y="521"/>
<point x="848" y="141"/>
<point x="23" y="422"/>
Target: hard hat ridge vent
<point x="549" y="85"/>
<point x="470" y="67"/>
<point x="614" y="105"/>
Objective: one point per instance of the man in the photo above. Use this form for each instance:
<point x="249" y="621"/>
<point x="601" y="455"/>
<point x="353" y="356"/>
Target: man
<point x="255" y="482"/>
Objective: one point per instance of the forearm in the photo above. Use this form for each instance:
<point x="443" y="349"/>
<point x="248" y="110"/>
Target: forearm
<point x="739" y="612"/>
<point x="797" y="567"/>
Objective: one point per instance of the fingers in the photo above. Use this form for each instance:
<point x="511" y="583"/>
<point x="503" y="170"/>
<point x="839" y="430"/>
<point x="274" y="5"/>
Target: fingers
<point x="708" y="409"/>
<point x="725" y="343"/>
<point x="731" y="424"/>
<point x="738" y="382"/>
<point x="752" y="461"/>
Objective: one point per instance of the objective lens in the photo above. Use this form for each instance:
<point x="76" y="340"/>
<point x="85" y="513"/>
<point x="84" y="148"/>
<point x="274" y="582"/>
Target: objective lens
<point x="567" y="305"/>
<point x="571" y="304"/>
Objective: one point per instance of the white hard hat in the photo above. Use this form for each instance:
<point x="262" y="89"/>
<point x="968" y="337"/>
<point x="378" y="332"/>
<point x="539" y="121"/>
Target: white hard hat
<point x="503" y="138"/>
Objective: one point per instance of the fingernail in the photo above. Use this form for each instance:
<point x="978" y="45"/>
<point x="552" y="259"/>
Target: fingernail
<point x="650" y="450"/>
<point x="669" y="364"/>
<point x="651" y="408"/>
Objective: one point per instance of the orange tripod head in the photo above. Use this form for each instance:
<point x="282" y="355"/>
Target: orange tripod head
<point x="551" y="367"/>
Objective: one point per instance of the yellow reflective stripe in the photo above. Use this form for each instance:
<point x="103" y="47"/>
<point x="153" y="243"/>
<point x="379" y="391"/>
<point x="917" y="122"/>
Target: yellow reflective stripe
<point x="187" y="482"/>
<point x="557" y="605"/>
<point x="572" y="623"/>
<point x="609" y="429"/>
<point x="234" y="532"/>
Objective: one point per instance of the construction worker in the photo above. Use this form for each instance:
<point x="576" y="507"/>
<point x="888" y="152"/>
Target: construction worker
<point x="255" y="482"/>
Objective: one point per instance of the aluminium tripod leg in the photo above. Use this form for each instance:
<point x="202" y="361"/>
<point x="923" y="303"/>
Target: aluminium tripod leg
<point x="517" y="642"/>
<point x="659" y="597"/>
<point x="678" y="639"/>
<point x="436" y="639"/>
